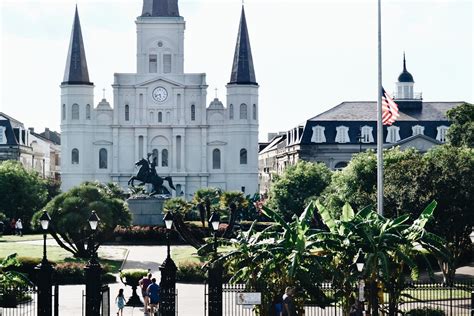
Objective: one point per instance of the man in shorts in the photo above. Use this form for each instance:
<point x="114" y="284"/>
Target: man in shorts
<point x="144" y="284"/>
<point x="153" y="292"/>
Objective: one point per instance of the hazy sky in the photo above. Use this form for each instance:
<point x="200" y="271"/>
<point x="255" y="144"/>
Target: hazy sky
<point x="308" y="55"/>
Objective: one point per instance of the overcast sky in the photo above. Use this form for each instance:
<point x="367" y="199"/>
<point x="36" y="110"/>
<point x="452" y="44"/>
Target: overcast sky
<point x="308" y="55"/>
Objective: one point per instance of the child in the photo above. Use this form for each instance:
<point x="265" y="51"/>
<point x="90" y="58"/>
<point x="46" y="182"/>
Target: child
<point x="120" y="301"/>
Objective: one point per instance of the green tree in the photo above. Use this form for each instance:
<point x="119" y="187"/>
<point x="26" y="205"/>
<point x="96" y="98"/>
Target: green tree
<point x="70" y="211"/>
<point x="291" y="191"/>
<point x="461" y="131"/>
<point x="205" y="199"/>
<point x="235" y="202"/>
<point x="23" y="192"/>
<point x="411" y="180"/>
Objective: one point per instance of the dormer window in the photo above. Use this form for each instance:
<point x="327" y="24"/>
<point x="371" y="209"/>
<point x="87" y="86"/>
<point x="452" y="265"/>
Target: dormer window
<point x="342" y="134"/>
<point x="442" y="132"/>
<point x="318" y="134"/>
<point x="366" y="134"/>
<point x="393" y="134"/>
<point x="418" y="130"/>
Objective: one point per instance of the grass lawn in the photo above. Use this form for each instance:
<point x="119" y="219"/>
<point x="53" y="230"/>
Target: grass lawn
<point x="55" y="253"/>
<point x="7" y="238"/>
<point x="182" y="254"/>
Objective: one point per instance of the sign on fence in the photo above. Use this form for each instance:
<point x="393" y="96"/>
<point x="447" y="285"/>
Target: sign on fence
<point x="249" y="298"/>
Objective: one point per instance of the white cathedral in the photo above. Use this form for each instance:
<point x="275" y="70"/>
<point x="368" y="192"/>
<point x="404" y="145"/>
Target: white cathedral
<point x="161" y="110"/>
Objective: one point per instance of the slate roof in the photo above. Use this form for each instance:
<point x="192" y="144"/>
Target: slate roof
<point x="76" y="72"/>
<point x="367" y="111"/>
<point x="242" y="68"/>
<point x="274" y="143"/>
<point x="160" y="8"/>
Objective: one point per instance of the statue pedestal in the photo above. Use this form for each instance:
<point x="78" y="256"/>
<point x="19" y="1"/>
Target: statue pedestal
<point x="147" y="211"/>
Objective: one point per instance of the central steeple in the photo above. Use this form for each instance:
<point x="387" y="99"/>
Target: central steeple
<point x="160" y="8"/>
<point x="242" y="67"/>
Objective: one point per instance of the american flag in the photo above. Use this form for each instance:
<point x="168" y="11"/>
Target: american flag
<point x="389" y="109"/>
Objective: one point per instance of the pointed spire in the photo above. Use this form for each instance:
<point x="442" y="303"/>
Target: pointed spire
<point x="76" y="65"/>
<point x="160" y="8"/>
<point x="405" y="76"/>
<point x="242" y="68"/>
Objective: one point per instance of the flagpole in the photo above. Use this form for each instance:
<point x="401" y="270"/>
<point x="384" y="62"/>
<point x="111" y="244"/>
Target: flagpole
<point x="379" y="116"/>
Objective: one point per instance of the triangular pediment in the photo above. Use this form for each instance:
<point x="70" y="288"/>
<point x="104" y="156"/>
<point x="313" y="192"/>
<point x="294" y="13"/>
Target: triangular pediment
<point x="158" y="80"/>
<point x="421" y="142"/>
<point x="216" y="143"/>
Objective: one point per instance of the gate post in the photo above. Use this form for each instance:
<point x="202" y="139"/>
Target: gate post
<point x="168" y="287"/>
<point x="215" y="289"/>
<point x="93" y="285"/>
<point x="44" y="281"/>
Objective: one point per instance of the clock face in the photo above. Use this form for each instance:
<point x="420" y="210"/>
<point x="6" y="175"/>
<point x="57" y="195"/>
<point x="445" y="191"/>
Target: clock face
<point x="159" y="94"/>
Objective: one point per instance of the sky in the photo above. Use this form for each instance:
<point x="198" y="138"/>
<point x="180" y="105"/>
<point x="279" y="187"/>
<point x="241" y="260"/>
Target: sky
<point x="309" y="55"/>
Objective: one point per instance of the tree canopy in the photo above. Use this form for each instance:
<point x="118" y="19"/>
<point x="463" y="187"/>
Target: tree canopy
<point x="461" y="131"/>
<point x="70" y="211"/>
<point x="23" y="192"/>
<point x="290" y="191"/>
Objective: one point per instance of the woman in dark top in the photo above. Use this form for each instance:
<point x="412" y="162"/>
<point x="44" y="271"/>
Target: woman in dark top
<point x="289" y="308"/>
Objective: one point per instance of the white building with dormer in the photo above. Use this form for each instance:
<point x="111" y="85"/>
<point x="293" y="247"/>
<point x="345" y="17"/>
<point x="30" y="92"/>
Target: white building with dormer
<point x="161" y="110"/>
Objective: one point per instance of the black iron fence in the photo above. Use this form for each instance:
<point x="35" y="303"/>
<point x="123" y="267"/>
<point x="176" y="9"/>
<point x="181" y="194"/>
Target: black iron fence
<point x="23" y="300"/>
<point x="456" y="300"/>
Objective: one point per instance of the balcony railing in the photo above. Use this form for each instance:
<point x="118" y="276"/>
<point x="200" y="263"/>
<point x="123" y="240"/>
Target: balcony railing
<point x="416" y="96"/>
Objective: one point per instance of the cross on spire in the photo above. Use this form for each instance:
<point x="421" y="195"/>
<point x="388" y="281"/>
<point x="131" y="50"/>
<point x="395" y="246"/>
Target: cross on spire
<point x="103" y="93"/>
<point x="216" y="92"/>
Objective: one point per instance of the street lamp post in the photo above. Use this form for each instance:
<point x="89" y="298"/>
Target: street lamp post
<point x="93" y="272"/>
<point x="44" y="272"/>
<point x="215" y="273"/>
<point x="168" y="276"/>
<point x="360" y="262"/>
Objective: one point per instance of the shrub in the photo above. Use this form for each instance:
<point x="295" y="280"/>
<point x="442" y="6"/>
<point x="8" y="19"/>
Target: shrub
<point x="148" y="234"/>
<point x="190" y="272"/>
<point x="426" y="311"/>
<point x="131" y="277"/>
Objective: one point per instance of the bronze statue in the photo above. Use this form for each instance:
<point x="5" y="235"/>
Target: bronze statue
<point x="147" y="174"/>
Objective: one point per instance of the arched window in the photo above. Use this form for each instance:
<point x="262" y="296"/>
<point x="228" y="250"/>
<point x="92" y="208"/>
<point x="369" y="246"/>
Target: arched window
<point x="340" y="165"/>
<point x="216" y="159"/>
<point x="418" y="130"/>
<point x="318" y="134"/>
<point x="366" y="134"/>
<point x="342" y="135"/>
<point x="155" y="157"/>
<point x="75" y="156"/>
<point x="64" y="111"/>
<point x="179" y="191"/>
<point x="393" y="134"/>
<point x="231" y="112"/>
<point x="164" y="158"/>
<point x="243" y="111"/>
<point x="243" y="156"/>
<point x="254" y="111"/>
<point x="442" y="132"/>
<point x="88" y="112"/>
<point x="103" y="158"/>
<point x="193" y="112"/>
<point x="75" y="111"/>
<point x="127" y="112"/>
<point x="160" y="117"/>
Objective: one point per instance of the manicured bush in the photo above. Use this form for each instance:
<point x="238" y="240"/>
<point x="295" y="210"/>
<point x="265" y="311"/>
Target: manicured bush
<point x="190" y="272"/>
<point x="131" y="277"/>
<point x="156" y="234"/>
<point x="426" y="311"/>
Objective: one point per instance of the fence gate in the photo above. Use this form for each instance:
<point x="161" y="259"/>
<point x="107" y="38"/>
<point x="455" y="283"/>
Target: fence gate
<point x="23" y="300"/>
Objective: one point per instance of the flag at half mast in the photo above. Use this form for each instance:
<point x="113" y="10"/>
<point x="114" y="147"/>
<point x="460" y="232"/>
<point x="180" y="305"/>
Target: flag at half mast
<point x="389" y="109"/>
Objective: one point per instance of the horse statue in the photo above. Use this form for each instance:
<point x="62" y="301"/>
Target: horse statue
<point x="147" y="174"/>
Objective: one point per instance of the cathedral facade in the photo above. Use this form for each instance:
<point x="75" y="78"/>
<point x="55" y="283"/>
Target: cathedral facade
<point x="161" y="112"/>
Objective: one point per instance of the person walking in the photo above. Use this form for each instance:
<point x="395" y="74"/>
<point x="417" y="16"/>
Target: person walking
<point x="120" y="301"/>
<point x="289" y="308"/>
<point x="13" y="226"/>
<point x="153" y="292"/>
<point x="144" y="284"/>
<point x="19" y="227"/>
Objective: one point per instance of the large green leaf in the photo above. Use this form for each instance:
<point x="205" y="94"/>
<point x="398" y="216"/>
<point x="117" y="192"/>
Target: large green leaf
<point x="347" y="213"/>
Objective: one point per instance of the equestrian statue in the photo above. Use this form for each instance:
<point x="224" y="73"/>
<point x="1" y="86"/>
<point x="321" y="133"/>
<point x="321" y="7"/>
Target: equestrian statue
<point x="147" y="174"/>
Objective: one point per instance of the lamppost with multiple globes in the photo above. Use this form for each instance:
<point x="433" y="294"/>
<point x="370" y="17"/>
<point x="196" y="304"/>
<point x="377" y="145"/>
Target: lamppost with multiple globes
<point x="44" y="272"/>
<point x="215" y="273"/>
<point x="93" y="272"/>
<point x="360" y="262"/>
<point x="168" y="275"/>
